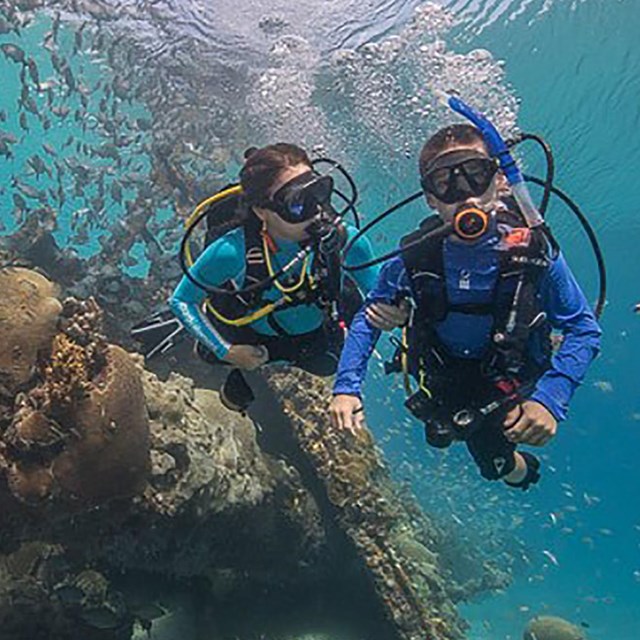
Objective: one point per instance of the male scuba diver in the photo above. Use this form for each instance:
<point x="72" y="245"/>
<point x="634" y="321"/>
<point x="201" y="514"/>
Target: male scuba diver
<point x="268" y="286"/>
<point x="486" y="288"/>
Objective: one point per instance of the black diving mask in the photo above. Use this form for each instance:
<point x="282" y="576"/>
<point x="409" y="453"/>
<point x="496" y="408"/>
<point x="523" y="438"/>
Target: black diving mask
<point x="303" y="198"/>
<point x="455" y="176"/>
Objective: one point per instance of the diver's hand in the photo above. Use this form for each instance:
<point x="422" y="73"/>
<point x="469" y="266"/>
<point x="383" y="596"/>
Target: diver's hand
<point x="530" y="423"/>
<point x="388" y="316"/>
<point x="246" y="356"/>
<point x="346" y="413"/>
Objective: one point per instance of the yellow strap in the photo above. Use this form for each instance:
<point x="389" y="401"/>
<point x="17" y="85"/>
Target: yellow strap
<point x="270" y="271"/>
<point x="267" y="309"/>
<point x="404" y="362"/>
<point x="217" y="197"/>
<point x="248" y="319"/>
<point x="422" y="376"/>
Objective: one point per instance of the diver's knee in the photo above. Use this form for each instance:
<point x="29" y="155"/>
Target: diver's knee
<point x="438" y="434"/>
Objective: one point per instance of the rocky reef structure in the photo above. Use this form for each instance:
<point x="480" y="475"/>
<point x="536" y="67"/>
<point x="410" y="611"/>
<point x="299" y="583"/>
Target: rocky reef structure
<point x="129" y="500"/>
<point x="406" y="575"/>
<point x="552" y="628"/>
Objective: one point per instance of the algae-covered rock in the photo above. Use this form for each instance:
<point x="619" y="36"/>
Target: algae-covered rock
<point x="201" y="451"/>
<point x="552" y="628"/>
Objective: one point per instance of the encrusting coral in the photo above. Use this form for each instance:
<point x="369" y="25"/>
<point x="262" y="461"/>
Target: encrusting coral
<point x="410" y="586"/>
<point x="552" y="628"/>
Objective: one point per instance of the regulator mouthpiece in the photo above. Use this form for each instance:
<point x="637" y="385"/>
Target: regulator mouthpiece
<point x="470" y="223"/>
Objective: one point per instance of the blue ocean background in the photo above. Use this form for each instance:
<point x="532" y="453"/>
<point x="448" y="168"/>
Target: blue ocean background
<point x="571" y="70"/>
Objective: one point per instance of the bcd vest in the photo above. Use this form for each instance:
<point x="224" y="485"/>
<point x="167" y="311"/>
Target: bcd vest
<point x="511" y="313"/>
<point x="312" y="291"/>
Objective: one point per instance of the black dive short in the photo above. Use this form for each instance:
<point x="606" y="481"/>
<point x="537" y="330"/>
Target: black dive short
<point x="487" y="443"/>
<point x="313" y="351"/>
<point x="490" y="449"/>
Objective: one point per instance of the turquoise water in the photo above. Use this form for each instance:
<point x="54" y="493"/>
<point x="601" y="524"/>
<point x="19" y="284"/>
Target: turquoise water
<point x="567" y="70"/>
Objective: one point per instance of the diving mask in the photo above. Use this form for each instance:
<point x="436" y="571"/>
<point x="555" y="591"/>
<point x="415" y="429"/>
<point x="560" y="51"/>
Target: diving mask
<point x="458" y="175"/>
<point x="302" y="198"/>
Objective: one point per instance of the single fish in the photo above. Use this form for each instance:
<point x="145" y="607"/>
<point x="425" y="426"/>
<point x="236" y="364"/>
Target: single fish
<point x="77" y="39"/>
<point x="22" y="121"/>
<point x="5" y="26"/>
<point x="69" y="594"/>
<point x="58" y="62"/>
<point x="33" y="71"/>
<point x="102" y="618"/>
<point x="116" y="192"/>
<point x="5" y="150"/>
<point x="69" y="79"/>
<point x="7" y="137"/>
<point x="38" y="166"/>
<point x="19" y="202"/>
<point x="30" y="105"/>
<point x="13" y="52"/>
<point x="55" y="26"/>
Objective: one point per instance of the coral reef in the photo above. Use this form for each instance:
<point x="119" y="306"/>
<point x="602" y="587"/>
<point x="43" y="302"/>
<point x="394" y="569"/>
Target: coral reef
<point x="552" y="628"/>
<point x="40" y="595"/>
<point x="142" y="488"/>
<point x="406" y="576"/>
<point x="79" y="430"/>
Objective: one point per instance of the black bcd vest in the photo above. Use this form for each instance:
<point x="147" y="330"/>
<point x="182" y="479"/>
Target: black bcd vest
<point x="515" y="307"/>
<point x="229" y="215"/>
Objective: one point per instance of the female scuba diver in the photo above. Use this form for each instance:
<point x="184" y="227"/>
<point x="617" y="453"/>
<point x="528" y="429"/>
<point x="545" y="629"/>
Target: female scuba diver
<point x="270" y="288"/>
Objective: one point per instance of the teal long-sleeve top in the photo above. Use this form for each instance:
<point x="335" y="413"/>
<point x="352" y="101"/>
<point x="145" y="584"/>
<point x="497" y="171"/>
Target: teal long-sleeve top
<point x="224" y="260"/>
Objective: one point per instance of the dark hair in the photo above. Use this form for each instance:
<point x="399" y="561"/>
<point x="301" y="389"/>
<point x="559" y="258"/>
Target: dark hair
<point x="444" y="138"/>
<point x="262" y="167"/>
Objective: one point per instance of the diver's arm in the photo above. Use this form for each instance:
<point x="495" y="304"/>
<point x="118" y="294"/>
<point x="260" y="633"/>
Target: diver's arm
<point x="362" y="336"/>
<point x="568" y="311"/>
<point x="221" y="261"/>
<point x="381" y="315"/>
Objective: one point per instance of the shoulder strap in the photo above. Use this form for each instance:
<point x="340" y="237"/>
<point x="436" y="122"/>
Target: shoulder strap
<point x="224" y="216"/>
<point x="426" y="254"/>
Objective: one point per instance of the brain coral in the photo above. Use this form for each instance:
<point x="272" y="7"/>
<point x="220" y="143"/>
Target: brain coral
<point x="29" y="314"/>
<point x="73" y="409"/>
<point x="552" y="628"/>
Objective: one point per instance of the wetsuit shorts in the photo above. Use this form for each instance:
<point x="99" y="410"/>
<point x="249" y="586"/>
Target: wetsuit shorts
<point x="314" y="351"/>
<point x="465" y="387"/>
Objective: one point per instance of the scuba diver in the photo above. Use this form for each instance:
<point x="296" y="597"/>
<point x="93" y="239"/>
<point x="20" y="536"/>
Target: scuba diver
<point x="269" y="286"/>
<point x="487" y="284"/>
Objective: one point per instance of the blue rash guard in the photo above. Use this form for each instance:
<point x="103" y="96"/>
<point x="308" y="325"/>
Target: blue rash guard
<point x="224" y="260"/>
<point x="559" y="296"/>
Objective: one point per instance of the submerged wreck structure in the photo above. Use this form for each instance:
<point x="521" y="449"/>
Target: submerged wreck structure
<point x="136" y="504"/>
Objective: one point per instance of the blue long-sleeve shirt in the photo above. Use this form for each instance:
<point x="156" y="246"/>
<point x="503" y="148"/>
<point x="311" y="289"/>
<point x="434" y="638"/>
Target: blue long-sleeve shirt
<point x="224" y="260"/>
<point x="560" y="297"/>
